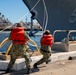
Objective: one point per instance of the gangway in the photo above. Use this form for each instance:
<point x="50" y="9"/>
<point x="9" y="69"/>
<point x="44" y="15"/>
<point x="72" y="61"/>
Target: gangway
<point x="67" y="45"/>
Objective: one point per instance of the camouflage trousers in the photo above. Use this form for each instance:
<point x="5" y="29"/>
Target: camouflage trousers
<point x="15" y="52"/>
<point x="46" y="57"/>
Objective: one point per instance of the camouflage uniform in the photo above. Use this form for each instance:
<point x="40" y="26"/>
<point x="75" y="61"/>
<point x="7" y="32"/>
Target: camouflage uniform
<point x="19" y="50"/>
<point x="46" y="52"/>
<point x="46" y="43"/>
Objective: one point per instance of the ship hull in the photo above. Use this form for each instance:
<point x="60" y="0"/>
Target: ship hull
<point x="61" y="13"/>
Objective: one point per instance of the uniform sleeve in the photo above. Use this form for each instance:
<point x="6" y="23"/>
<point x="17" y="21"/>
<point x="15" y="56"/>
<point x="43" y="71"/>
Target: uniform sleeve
<point x="9" y="37"/>
<point x="27" y="36"/>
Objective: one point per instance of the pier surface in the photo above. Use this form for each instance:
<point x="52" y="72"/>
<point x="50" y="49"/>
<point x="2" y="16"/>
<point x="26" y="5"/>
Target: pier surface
<point x="60" y="65"/>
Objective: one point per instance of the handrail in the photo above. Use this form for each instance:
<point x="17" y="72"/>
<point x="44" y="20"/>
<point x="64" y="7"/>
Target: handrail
<point x="58" y="31"/>
<point x="70" y="31"/>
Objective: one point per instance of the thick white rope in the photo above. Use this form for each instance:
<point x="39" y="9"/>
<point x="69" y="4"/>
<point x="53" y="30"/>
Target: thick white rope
<point x="44" y="21"/>
<point x="46" y="15"/>
<point x="31" y="44"/>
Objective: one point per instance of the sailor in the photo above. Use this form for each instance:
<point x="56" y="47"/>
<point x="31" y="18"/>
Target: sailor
<point x="46" y="44"/>
<point x="19" y="48"/>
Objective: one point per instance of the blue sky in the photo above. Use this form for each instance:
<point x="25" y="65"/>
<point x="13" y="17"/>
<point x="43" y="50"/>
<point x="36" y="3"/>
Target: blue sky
<point x="14" y="10"/>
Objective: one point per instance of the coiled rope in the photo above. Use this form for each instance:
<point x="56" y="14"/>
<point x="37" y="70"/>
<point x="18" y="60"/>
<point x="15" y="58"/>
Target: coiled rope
<point x="8" y="49"/>
<point x="3" y="42"/>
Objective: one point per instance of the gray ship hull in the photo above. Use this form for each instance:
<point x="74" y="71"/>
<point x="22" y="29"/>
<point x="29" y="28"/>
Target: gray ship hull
<point x="61" y="14"/>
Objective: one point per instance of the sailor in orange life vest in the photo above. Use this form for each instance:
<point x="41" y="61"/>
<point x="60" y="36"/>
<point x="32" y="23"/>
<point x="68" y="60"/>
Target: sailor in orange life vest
<point x="46" y="43"/>
<point x="19" y="39"/>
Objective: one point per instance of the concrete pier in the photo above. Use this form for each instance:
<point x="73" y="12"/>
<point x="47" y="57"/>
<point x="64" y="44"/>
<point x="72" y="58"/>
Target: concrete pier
<point x="20" y="63"/>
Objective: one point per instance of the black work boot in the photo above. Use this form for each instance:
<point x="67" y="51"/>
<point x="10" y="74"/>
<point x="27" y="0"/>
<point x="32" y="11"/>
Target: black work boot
<point x="28" y="71"/>
<point x="35" y="65"/>
<point x="8" y="70"/>
<point x="48" y="61"/>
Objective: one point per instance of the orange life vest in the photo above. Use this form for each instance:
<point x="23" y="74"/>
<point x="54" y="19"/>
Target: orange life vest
<point x="17" y="35"/>
<point x="47" y="40"/>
